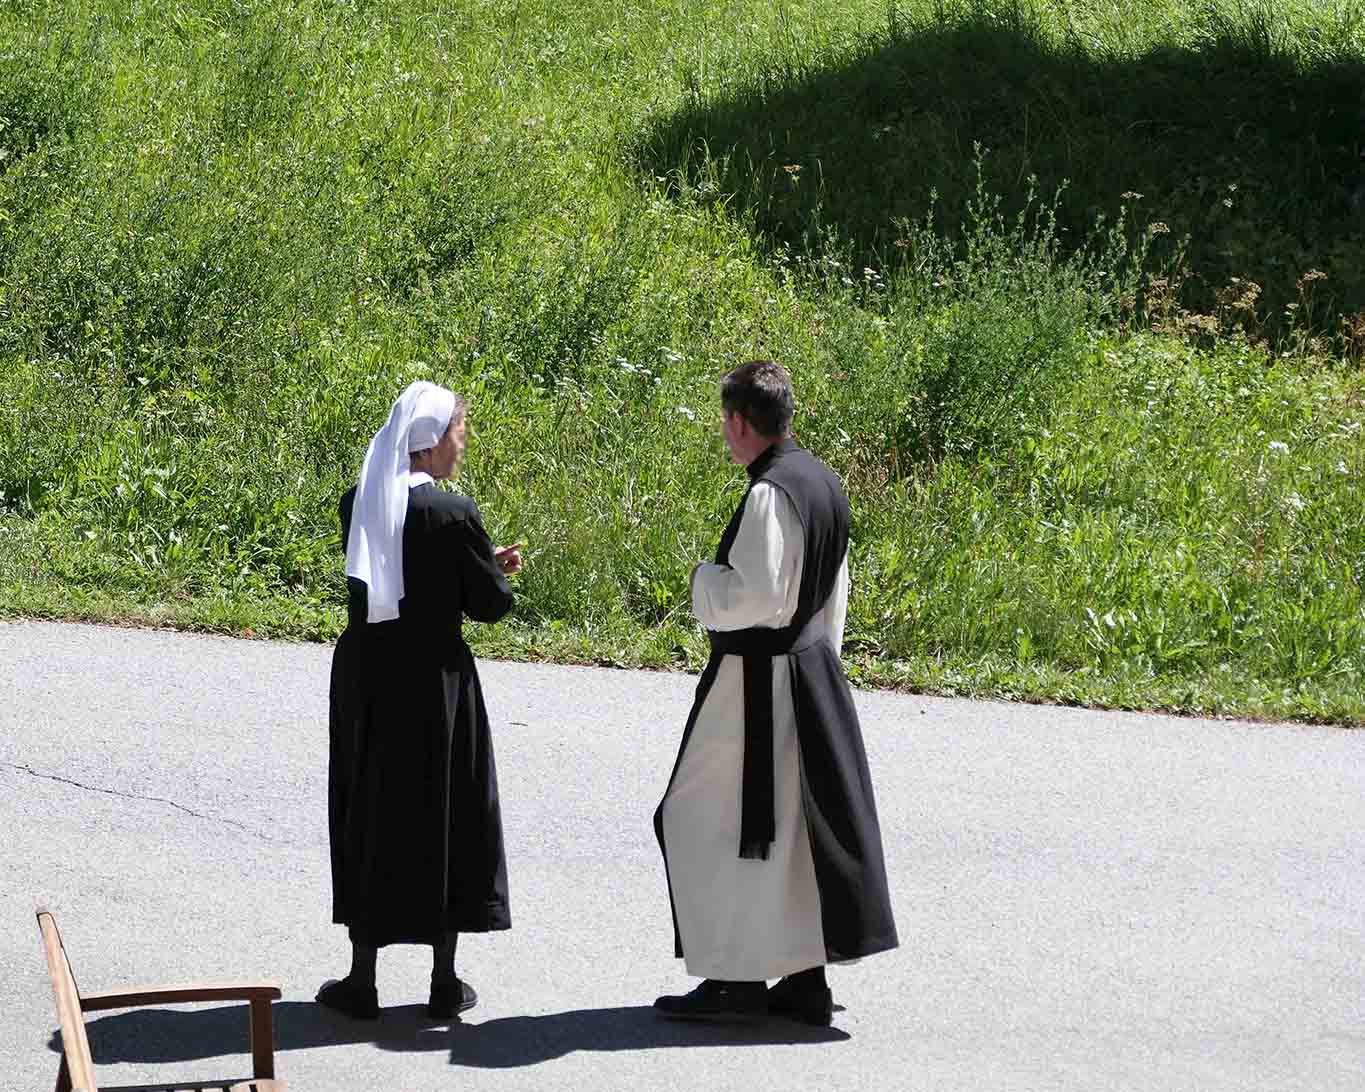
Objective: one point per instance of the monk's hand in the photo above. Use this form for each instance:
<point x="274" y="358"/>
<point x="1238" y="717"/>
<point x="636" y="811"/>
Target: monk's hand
<point x="508" y="558"/>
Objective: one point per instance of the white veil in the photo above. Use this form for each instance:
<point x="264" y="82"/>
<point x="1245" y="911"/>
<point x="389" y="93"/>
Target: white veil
<point x="374" y="550"/>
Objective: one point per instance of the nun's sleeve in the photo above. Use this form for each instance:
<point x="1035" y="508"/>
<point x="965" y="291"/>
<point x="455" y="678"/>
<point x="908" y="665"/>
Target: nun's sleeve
<point x="485" y="593"/>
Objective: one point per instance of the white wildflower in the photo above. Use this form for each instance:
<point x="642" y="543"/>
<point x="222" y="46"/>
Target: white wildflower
<point x="1278" y="445"/>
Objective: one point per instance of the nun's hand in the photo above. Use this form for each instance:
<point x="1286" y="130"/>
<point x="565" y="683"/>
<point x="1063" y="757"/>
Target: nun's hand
<point x="508" y="558"/>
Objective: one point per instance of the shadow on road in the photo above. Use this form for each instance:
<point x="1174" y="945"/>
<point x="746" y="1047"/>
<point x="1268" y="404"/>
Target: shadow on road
<point x="527" y="1040"/>
<point x="155" y="1036"/>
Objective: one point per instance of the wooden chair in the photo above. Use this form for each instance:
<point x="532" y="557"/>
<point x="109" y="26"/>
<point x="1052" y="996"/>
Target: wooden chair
<point x="77" y="1072"/>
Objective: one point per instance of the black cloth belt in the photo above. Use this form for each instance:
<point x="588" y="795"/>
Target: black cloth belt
<point x="757" y="648"/>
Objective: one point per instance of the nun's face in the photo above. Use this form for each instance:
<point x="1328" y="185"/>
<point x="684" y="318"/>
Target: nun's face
<point x="446" y="455"/>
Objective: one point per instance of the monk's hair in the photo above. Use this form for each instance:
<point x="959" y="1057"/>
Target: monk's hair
<point x="760" y="392"/>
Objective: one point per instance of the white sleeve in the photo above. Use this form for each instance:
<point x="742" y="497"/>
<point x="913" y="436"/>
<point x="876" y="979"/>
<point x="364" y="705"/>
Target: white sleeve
<point x="836" y="608"/>
<point x="762" y="583"/>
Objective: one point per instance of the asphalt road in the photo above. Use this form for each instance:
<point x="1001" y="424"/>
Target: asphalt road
<point x="1086" y="900"/>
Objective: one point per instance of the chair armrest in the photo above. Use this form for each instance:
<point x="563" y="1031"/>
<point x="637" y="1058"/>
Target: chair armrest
<point x="179" y="994"/>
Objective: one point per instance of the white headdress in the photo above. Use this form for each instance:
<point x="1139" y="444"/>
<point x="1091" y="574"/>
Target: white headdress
<point x="374" y="550"/>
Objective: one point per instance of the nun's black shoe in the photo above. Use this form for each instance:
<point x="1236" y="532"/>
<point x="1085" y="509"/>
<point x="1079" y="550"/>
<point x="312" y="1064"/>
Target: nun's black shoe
<point x="797" y="1001"/>
<point x="718" y="1002"/>
<point x="343" y="995"/>
<point x="450" y="999"/>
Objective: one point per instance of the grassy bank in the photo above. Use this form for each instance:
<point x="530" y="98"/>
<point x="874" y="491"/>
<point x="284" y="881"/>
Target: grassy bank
<point x="1086" y="463"/>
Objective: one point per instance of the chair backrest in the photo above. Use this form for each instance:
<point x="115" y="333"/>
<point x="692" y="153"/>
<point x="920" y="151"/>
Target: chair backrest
<point x="79" y="1065"/>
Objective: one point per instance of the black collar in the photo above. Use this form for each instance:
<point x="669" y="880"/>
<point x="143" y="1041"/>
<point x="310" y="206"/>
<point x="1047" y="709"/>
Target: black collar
<point x="770" y="453"/>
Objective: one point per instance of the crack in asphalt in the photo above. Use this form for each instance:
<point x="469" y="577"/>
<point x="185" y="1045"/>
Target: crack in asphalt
<point x="138" y="796"/>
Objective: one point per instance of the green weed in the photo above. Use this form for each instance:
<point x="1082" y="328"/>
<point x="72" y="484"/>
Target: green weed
<point x="1072" y="300"/>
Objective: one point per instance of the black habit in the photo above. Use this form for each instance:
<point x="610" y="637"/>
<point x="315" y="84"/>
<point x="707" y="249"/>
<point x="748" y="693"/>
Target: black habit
<point x="416" y="829"/>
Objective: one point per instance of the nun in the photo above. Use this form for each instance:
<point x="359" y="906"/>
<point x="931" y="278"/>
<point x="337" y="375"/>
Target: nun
<point x="414" y="820"/>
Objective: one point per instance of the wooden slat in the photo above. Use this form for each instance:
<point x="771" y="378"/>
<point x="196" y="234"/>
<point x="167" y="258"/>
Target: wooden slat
<point x="180" y="993"/>
<point x="79" y="1066"/>
<point x="203" y="1086"/>
<point x="232" y="1085"/>
<point x="213" y="1086"/>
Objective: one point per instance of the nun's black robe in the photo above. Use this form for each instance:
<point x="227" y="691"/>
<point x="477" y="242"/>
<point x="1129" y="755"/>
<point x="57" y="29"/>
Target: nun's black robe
<point x="415" y="824"/>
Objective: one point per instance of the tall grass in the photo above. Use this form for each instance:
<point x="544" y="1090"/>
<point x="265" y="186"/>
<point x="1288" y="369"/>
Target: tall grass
<point x="1236" y="125"/>
<point x="1085" y="464"/>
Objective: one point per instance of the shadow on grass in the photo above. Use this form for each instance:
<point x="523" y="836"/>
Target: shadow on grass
<point x="1250" y="141"/>
<point x="157" y="1036"/>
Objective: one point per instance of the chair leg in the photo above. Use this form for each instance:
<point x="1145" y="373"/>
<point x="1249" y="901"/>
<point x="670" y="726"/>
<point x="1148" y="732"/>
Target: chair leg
<point x="63" y="1076"/>
<point x="262" y="1040"/>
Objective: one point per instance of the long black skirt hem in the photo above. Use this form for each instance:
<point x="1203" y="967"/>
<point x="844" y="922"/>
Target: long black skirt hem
<point x="371" y="937"/>
<point x="414" y="818"/>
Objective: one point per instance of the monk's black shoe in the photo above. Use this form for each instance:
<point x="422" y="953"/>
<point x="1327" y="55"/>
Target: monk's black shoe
<point x="718" y="1002"/>
<point x="450" y="999"/>
<point x="805" y="1003"/>
<point x="343" y="995"/>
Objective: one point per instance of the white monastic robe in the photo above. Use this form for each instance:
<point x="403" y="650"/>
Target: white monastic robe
<point x="739" y="918"/>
